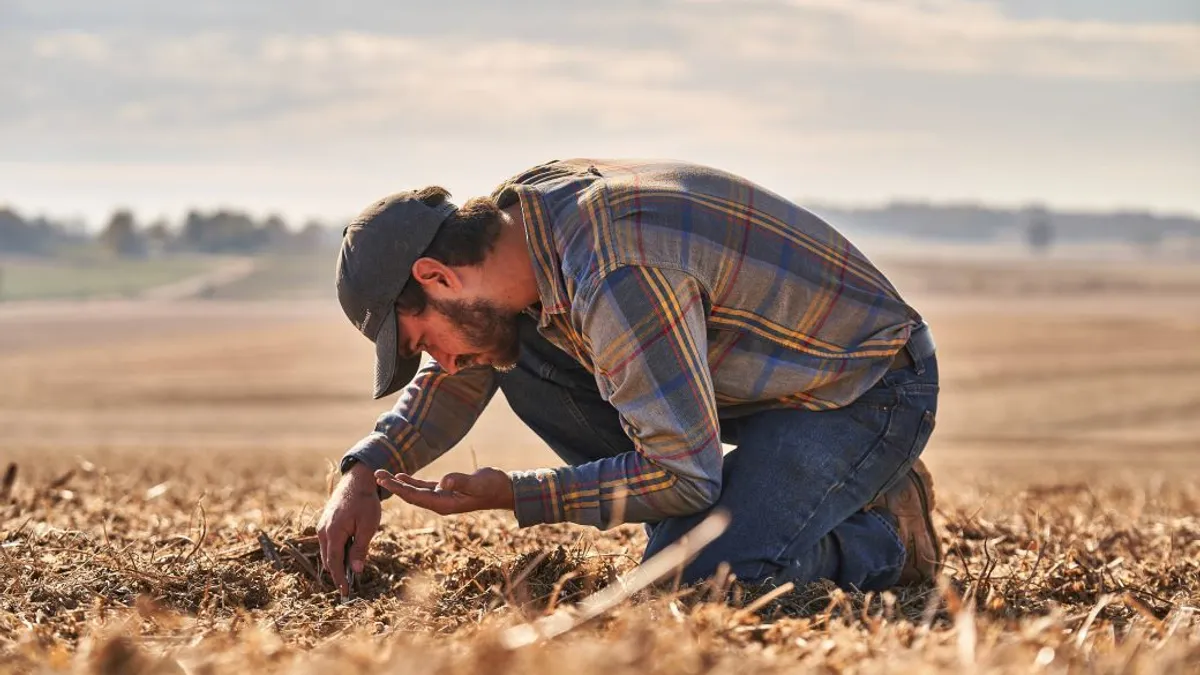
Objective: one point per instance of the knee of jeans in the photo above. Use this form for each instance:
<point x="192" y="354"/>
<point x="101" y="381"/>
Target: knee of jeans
<point x="711" y="559"/>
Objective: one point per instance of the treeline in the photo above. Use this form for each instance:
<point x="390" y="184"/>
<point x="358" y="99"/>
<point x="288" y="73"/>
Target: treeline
<point x="1040" y="227"/>
<point x="223" y="231"/>
<point x="230" y="231"/>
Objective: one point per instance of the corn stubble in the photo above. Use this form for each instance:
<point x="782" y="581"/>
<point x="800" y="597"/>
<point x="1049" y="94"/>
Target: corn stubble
<point x="119" y="571"/>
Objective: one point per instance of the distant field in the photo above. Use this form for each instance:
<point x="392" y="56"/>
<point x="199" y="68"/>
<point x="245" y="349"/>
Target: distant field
<point x="307" y="276"/>
<point x="93" y="277"/>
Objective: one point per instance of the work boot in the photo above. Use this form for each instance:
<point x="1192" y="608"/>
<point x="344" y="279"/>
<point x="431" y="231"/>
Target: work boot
<point x="910" y="503"/>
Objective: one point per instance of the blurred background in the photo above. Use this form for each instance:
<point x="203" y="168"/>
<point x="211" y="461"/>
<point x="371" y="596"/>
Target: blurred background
<point x="174" y="178"/>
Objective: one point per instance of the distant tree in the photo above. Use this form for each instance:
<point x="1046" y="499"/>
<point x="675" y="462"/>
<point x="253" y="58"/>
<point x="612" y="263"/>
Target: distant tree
<point x="13" y="235"/>
<point x="223" y="231"/>
<point x="312" y="237"/>
<point x="158" y="236"/>
<point x="1039" y="234"/>
<point x="121" y="238"/>
<point x="20" y="236"/>
<point x="1147" y="237"/>
<point x="275" y="232"/>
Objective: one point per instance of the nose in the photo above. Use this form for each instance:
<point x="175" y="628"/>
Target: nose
<point x="448" y="361"/>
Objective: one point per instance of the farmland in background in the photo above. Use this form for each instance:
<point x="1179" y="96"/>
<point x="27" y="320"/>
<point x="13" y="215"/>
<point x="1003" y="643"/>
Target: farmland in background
<point x="94" y="276"/>
<point x="282" y="276"/>
<point x="154" y="441"/>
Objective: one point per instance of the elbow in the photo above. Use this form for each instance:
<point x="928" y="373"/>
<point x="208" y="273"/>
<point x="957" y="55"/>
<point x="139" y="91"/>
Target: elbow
<point x="696" y="495"/>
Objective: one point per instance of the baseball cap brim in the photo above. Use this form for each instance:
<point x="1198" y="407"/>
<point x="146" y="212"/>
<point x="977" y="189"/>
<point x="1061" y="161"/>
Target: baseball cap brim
<point x="391" y="371"/>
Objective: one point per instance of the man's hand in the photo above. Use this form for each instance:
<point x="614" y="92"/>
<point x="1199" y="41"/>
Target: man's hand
<point x="455" y="493"/>
<point x="353" y="510"/>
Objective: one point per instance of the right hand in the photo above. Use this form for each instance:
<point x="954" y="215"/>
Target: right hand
<point x="353" y="510"/>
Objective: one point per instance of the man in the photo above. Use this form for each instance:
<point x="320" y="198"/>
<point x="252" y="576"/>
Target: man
<point x="637" y="314"/>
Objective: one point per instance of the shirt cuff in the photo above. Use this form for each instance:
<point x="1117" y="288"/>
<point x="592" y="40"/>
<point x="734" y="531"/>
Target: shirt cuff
<point x="373" y="453"/>
<point x="536" y="497"/>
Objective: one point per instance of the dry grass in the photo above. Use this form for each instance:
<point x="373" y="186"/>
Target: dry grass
<point x="106" y="568"/>
<point x="151" y="471"/>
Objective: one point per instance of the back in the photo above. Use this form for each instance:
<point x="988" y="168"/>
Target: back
<point x="796" y="315"/>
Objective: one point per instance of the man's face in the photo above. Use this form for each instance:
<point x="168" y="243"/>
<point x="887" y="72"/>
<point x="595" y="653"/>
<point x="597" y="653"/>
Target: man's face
<point x="462" y="333"/>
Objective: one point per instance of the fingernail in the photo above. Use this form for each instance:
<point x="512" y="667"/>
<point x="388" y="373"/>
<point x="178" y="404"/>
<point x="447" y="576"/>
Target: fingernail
<point x="357" y="566"/>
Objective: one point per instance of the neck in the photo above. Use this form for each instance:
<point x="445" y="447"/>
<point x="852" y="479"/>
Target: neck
<point x="509" y="270"/>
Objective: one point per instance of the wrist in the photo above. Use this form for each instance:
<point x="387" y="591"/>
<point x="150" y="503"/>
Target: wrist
<point x="360" y="471"/>
<point x="359" y="478"/>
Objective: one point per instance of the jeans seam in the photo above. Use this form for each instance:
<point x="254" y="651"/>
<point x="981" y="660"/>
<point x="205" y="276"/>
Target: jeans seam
<point x="854" y="471"/>
<point x="895" y="535"/>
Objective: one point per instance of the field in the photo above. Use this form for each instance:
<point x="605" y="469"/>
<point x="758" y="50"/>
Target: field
<point x="155" y="441"/>
<point x="95" y="276"/>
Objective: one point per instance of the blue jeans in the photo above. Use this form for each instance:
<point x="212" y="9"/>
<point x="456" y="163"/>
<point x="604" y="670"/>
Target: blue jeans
<point x="795" y="485"/>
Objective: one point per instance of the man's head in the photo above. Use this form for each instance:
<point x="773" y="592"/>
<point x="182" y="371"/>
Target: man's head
<point x="410" y="278"/>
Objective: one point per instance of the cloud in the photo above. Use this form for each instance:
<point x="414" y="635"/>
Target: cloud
<point x="356" y="82"/>
<point x="763" y="73"/>
<point x="946" y="36"/>
<point x="842" y="97"/>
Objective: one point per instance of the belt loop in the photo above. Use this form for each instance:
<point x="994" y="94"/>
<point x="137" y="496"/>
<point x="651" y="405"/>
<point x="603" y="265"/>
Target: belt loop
<point x="917" y="361"/>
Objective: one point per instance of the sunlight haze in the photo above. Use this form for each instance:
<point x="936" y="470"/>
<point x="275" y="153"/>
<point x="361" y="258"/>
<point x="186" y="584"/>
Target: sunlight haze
<point x="310" y="109"/>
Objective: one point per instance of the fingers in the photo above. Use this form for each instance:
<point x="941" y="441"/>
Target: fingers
<point x="442" y="502"/>
<point x="322" y="539"/>
<point x="459" y="482"/>
<point x="405" y="478"/>
<point x="363" y="534"/>
<point x="417" y="482"/>
<point x="335" y="554"/>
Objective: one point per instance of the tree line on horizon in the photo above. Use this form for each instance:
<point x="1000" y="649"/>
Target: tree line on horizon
<point x="1039" y="227"/>
<point x="222" y="231"/>
<point x="229" y="231"/>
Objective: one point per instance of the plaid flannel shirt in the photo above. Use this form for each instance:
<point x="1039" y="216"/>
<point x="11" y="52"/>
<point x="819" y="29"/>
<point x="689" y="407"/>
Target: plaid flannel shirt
<point x="693" y="296"/>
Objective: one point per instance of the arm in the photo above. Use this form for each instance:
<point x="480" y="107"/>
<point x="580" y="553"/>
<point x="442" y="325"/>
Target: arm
<point x="646" y="328"/>
<point x="432" y="414"/>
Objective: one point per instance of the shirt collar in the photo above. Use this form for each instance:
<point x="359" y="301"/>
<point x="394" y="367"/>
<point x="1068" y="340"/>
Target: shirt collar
<point x="539" y="237"/>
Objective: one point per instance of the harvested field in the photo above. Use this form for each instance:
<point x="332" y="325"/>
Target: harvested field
<point x="158" y="446"/>
<point x="97" y="276"/>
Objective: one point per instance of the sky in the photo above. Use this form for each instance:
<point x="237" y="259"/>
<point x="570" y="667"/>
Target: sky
<point x="313" y="109"/>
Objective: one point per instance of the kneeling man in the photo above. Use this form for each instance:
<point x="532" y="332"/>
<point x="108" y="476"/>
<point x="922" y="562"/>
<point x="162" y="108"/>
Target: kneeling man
<point x="638" y="314"/>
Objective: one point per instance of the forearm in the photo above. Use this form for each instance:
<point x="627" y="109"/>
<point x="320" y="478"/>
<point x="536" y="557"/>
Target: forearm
<point x="627" y="488"/>
<point x="647" y="329"/>
<point x="432" y="414"/>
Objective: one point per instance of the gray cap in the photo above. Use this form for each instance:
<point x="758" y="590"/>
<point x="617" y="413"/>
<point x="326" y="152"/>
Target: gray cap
<point x="379" y="248"/>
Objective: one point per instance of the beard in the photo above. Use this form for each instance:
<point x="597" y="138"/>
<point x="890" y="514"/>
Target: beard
<point x="490" y="330"/>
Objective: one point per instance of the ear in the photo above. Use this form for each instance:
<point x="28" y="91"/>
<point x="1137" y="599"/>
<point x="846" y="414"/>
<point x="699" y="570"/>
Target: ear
<point x="435" y="276"/>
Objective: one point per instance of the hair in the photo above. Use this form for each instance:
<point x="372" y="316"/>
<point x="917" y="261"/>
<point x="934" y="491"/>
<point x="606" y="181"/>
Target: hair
<point x="465" y="239"/>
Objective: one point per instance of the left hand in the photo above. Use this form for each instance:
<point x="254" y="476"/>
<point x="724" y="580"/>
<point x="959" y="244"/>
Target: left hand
<point x="455" y="493"/>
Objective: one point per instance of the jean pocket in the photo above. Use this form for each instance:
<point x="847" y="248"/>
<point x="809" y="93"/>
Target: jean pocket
<point x="878" y="398"/>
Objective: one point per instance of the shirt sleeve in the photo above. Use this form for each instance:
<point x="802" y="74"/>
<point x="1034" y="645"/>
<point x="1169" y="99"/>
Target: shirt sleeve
<point x="432" y="414"/>
<point x="646" y="329"/>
